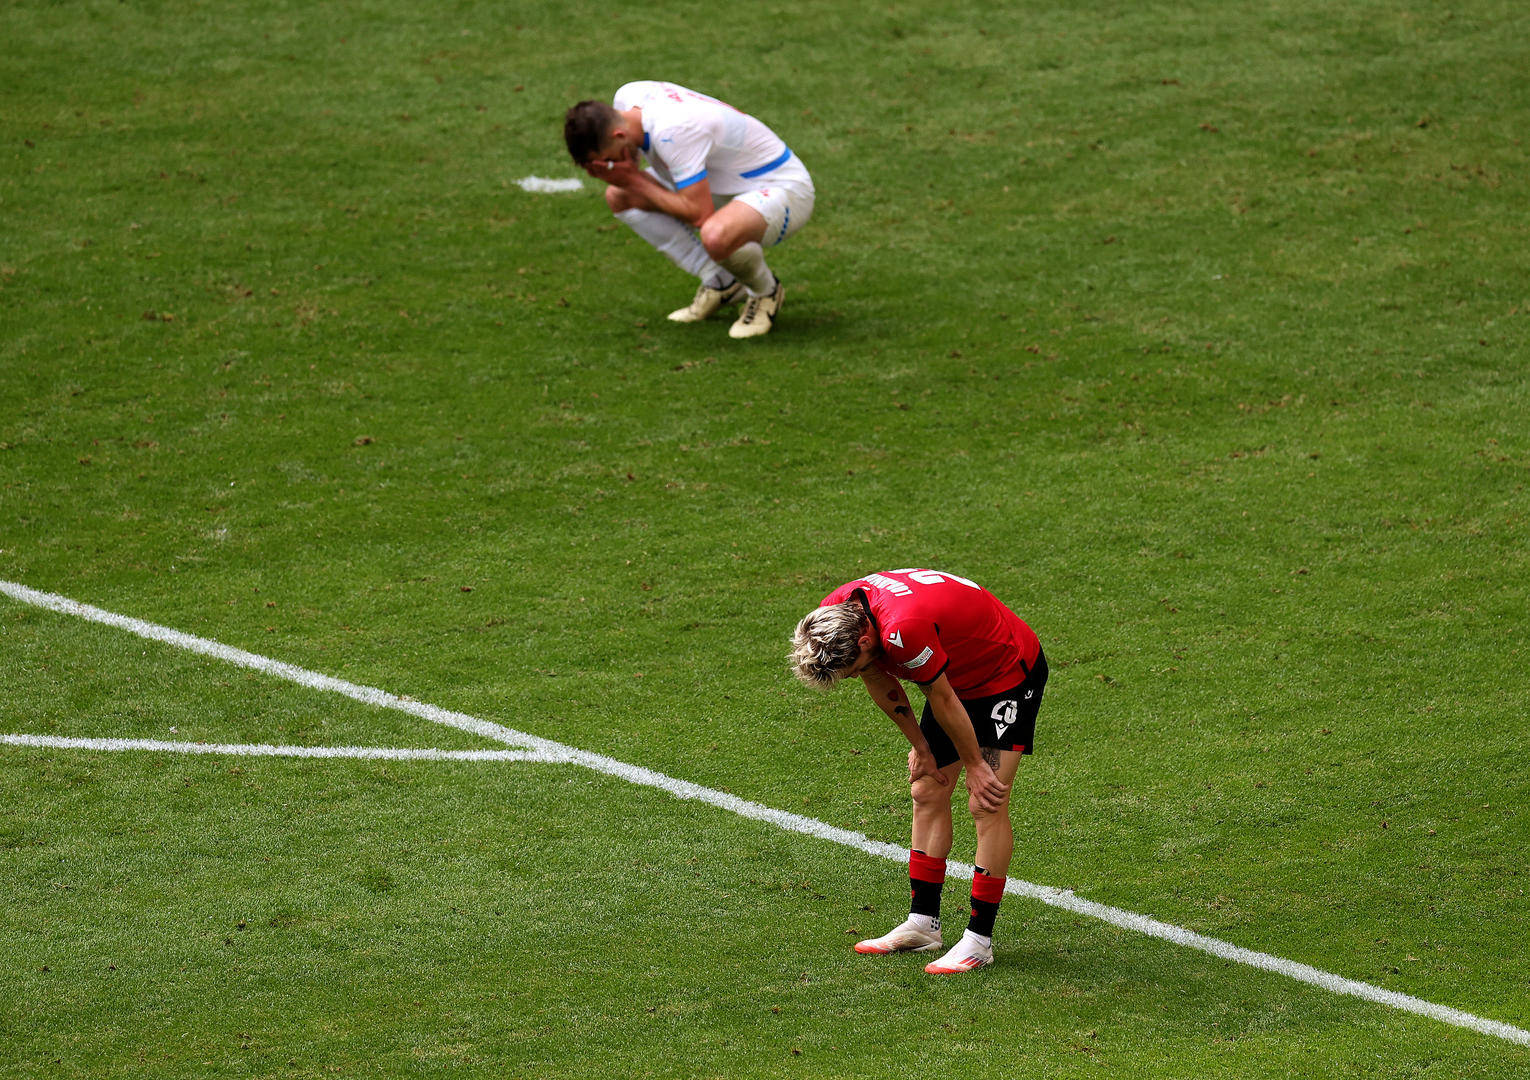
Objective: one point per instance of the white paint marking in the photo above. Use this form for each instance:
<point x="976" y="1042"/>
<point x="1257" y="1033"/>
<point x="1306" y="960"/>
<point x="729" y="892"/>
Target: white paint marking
<point x="311" y="679"/>
<point x="386" y="753"/>
<point x="684" y="789"/>
<point x="541" y="185"/>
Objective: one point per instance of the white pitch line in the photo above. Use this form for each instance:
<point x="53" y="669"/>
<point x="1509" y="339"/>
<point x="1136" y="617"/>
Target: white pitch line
<point x="543" y="185"/>
<point x="311" y="679"/>
<point x="782" y="819"/>
<point x="385" y="753"/>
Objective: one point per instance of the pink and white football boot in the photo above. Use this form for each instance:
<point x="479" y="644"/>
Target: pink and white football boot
<point x="973" y="951"/>
<point x="917" y="933"/>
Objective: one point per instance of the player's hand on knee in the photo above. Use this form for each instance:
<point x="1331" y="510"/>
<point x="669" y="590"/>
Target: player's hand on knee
<point x="922" y="763"/>
<point x="987" y="794"/>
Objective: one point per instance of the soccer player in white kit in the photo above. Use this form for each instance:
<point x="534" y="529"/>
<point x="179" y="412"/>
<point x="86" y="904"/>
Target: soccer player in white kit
<point x="720" y="187"/>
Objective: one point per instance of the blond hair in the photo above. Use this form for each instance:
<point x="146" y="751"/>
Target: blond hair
<point x="826" y="642"/>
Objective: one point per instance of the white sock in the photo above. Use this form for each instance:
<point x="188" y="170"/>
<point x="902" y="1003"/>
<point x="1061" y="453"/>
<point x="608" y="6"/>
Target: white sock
<point x="928" y="923"/>
<point x="979" y="939"/>
<point x="677" y="243"/>
<point x="748" y="265"/>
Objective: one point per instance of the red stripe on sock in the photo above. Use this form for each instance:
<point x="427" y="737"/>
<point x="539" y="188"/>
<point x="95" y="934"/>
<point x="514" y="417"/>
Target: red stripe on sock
<point x="988" y="889"/>
<point x="923" y="868"/>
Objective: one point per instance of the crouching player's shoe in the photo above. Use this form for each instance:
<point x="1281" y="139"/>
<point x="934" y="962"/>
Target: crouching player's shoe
<point x="911" y="935"/>
<point x="970" y="953"/>
<point x="759" y="314"/>
<point x="707" y="302"/>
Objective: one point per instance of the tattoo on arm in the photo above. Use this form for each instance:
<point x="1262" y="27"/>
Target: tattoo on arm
<point x="904" y="710"/>
<point x="991" y="755"/>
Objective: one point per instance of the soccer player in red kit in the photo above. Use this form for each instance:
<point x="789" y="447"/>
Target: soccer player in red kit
<point x="982" y="673"/>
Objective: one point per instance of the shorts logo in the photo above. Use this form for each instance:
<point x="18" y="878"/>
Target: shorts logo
<point x="1029" y="694"/>
<point x="920" y="660"/>
<point x="1004" y="714"/>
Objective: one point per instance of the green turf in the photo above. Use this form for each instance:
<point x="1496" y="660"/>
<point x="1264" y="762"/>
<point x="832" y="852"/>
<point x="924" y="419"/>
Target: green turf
<point x="1195" y="332"/>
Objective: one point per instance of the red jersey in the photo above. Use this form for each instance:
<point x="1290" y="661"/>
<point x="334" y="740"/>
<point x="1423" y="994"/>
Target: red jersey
<point x="930" y="622"/>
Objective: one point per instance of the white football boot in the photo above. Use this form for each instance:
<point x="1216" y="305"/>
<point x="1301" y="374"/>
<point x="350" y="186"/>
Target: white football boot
<point x="759" y="314"/>
<point x="970" y="953"/>
<point x="707" y="302"/>
<point x="912" y="935"/>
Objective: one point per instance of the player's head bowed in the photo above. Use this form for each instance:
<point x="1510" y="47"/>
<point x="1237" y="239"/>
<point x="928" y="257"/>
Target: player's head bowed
<point x="587" y="129"/>
<point x="826" y="643"/>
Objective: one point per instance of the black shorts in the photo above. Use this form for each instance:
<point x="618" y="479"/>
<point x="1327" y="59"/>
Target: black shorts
<point x="1004" y="721"/>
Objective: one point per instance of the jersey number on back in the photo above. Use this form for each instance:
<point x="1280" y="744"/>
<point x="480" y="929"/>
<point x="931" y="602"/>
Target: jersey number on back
<point x="935" y="577"/>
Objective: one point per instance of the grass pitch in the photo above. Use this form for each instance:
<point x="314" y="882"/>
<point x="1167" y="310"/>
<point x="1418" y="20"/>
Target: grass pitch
<point x="1195" y="333"/>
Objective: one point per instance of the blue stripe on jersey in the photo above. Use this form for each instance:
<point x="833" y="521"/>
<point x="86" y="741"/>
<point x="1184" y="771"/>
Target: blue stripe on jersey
<point x="681" y="185"/>
<point x="645" y="142"/>
<point x="786" y="155"/>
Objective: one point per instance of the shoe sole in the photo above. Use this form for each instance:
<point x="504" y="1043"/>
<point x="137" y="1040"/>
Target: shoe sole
<point x="684" y="315"/>
<point x="935" y="969"/>
<point x="866" y="948"/>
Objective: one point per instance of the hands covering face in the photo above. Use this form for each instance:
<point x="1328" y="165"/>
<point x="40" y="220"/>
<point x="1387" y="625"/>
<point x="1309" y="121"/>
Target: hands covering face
<point x="618" y="166"/>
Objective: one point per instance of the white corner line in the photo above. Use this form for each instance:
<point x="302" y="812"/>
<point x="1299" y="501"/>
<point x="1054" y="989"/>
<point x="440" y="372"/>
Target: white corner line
<point x="782" y="819"/>
<point x="383" y="753"/>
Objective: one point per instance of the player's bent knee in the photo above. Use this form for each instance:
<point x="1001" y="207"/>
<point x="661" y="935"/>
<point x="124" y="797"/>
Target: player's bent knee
<point x="982" y="817"/>
<point x="718" y="239"/>
<point x="617" y="199"/>
<point x="927" y="792"/>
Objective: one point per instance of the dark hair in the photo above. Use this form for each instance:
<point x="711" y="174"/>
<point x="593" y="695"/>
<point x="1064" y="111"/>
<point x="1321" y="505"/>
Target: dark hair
<point x="587" y="127"/>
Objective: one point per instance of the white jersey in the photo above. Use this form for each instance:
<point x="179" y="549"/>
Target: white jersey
<point x="689" y="137"/>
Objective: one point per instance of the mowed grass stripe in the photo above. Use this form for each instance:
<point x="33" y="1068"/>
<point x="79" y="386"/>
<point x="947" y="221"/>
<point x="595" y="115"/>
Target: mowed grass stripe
<point x="547" y="749"/>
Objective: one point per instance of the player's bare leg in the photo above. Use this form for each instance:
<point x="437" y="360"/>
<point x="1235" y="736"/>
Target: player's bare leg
<point x="732" y="237"/>
<point x="995" y="847"/>
<point x="920" y="932"/>
<point x="932" y="812"/>
<point x="995" y="832"/>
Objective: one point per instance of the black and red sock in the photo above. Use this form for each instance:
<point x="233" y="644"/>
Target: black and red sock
<point x="925" y="878"/>
<point x="987" y="891"/>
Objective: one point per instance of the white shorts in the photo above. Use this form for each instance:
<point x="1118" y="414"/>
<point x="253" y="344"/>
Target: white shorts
<point x="785" y="205"/>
